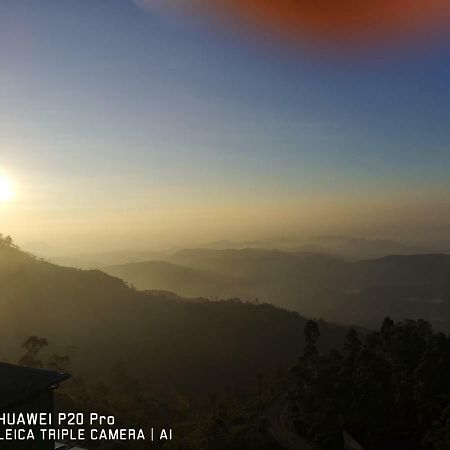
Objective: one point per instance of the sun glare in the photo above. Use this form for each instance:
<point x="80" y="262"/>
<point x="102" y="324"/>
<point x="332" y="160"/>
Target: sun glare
<point x="6" y="189"/>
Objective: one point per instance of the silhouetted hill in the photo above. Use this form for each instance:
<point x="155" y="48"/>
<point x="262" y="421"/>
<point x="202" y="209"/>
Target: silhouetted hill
<point x="339" y="246"/>
<point x="193" y="345"/>
<point x="406" y="269"/>
<point x="97" y="260"/>
<point x="362" y="292"/>
<point x="162" y="275"/>
<point x="248" y="261"/>
<point x="359" y="248"/>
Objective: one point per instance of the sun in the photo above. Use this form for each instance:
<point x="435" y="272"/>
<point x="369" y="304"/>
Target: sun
<point x="6" y="189"/>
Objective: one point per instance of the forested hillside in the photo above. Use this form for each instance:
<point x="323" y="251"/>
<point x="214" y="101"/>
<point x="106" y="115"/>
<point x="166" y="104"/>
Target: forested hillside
<point x="166" y="340"/>
<point x="389" y="391"/>
<point x="227" y="372"/>
<point x="316" y="285"/>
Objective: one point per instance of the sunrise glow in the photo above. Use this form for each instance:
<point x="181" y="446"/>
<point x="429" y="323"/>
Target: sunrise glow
<point x="6" y="189"/>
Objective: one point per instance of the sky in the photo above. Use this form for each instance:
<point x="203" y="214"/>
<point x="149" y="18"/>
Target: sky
<point x="124" y="124"/>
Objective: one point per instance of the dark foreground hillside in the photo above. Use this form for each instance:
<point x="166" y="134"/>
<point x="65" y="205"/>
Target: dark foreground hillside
<point x="169" y="342"/>
<point x="224" y="374"/>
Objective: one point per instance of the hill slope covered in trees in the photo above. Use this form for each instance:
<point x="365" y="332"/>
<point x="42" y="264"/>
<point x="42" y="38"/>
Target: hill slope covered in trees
<point x="168" y="341"/>
<point x="317" y="285"/>
<point x="389" y="391"/>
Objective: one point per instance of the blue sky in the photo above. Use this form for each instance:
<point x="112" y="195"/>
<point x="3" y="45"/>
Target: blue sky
<point x="105" y="105"/>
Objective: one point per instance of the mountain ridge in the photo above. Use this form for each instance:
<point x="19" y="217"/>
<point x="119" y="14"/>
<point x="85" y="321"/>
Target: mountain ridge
<point x="312" y="283"/>
<point x="213" y="344"/>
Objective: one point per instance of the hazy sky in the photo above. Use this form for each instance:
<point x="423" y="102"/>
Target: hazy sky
<point x="124" y="126"/>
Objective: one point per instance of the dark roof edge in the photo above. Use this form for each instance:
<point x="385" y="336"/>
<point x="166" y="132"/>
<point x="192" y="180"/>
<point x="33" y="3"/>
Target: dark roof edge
<point x="54" y="378"/>
<point x="59" y="376"/>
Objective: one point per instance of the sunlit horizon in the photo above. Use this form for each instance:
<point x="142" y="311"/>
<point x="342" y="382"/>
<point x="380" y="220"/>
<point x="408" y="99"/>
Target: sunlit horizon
<point x="141" y="127"/>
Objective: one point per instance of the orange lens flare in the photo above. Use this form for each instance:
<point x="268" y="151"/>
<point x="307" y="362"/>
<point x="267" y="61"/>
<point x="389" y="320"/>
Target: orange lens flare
<point x="329" y="21"/>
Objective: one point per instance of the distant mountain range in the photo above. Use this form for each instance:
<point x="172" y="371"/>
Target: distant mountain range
<point x="357" y="248"/>
<point x="97" y="260"/>
<point x="317" y="285"/>
<point x="212" y="343"/>
<point x="170" y="341"/>
<point x="339" y="246"/>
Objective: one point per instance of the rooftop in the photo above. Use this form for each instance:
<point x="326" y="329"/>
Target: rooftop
<point x="19" y="383"/>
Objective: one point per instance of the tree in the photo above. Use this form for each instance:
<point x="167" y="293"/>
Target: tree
<point x="311" y="333"/>
<point x="33" y="345"/>
<point x="7" y="241"/>
<point x="352" y="343"/>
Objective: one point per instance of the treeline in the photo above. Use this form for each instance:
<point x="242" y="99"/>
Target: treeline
<point x="7" y="241"/>
<point x="391" y="391"/>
